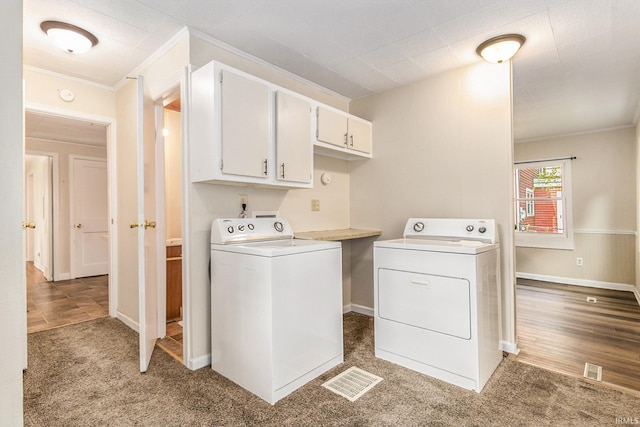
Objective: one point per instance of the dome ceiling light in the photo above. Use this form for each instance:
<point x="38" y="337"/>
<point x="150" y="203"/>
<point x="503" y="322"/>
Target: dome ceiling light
<point x="68" y="37"/>
<point x="501" y="48"/>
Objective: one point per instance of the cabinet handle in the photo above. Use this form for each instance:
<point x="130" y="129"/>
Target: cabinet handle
<point x="345" y="138"/>
<point x="282" y="176"/>
<point x="351" y="137"/>
<point x="265" y="166"/>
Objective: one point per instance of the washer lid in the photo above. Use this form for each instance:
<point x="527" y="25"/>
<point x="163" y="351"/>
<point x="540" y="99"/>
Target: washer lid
<point x="471" y="247"/>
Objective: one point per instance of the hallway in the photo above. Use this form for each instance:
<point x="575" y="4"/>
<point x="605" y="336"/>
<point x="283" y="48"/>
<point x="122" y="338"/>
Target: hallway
<point x="54" y="304"/>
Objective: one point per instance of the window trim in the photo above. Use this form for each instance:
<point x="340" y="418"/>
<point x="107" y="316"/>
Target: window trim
<point x="547" y="240"/>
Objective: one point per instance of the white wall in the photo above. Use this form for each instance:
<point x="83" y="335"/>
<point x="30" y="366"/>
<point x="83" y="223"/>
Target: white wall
<point x="13" y="310"/>
<point x="604" y="209"/>
<point x="442" y="148"/>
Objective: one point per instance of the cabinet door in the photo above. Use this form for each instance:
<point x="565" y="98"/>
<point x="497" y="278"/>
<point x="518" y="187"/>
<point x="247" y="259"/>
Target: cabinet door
<point x="294" y="148"/>
<point x="332" y="127"/>
<point x="359" y="136"/>
<point x="244" y="125"/>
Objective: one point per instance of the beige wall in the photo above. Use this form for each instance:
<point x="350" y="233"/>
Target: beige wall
<point x="41" y="90"/>
<point x="604" y="208"/>
<point x="442" y="148"/>
<point x="62" y="263"/>
<point x="637" y="181"/>
<point x="173" y="175"/>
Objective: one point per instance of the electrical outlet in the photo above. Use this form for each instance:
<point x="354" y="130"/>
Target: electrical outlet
<point x="243" y="199"/>
<point x="315" y="205"/>
<point x="579" y="262"/>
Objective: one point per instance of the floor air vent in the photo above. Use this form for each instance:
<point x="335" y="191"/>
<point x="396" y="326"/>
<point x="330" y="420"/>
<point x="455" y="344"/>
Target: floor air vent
<point x="593" y="372"/>
<point x="352" y="383"/>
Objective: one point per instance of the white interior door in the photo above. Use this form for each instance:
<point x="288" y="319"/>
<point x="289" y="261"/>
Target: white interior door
<point x="90" y="217"/>
<point x="147" y="285"/>
<point x="137" y="302"/>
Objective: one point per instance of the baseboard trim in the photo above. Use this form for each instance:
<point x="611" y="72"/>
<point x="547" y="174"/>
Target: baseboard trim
<point x="509" y="347"/>
<point x="368" y="311"/>
<point x="196" y="363"/>
<point x="578" y="282"/>
<point x="61" y="276"/>
<point x="128" y="321"/>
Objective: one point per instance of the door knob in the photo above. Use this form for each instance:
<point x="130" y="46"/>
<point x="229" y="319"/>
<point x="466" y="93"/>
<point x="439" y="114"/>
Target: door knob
<point x="78" y="225"/>
<point x="149" y="224"/>
<point x="31" y="225"/>
<point x="134" y="225"/>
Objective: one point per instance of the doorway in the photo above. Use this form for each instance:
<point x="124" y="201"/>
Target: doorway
<point x="54" y="298"/>
<point x="171" y="165"/>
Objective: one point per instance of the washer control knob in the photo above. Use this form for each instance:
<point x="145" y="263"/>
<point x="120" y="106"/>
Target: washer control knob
<point x="469" y="228"/>
<point x="230" y="229"/>
<point x="250" y="226"/>
<point x="418" y="227"/>
<point x="278" y="226"/>
<point x="241" y="227"/>
<point x="482" y="229"/>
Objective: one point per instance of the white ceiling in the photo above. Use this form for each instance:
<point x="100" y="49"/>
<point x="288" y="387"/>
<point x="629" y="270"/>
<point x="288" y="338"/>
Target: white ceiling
<point x="578" y="71"/>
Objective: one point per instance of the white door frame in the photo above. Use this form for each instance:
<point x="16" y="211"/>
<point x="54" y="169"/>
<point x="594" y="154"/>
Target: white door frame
<point x="54" y="209"/>
<point x="110" y="122"/>
<point x="72" y="219"/>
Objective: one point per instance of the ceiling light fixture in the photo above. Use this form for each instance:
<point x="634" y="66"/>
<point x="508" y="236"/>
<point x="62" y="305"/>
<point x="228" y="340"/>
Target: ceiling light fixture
<point x="501" y="48"/>
<point x="69" y="37"/>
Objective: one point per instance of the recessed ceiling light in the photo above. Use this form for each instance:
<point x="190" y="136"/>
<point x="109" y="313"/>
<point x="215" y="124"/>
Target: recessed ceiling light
<point x="68" y="37"/>
<point x="501" y="48"/>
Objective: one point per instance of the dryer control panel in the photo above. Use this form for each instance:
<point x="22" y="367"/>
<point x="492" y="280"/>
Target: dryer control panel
<point x="483" y="230"/>
<point x="240" y="230"/>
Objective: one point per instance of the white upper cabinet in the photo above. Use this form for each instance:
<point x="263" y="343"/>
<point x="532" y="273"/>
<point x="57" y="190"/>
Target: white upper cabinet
<point x="245" y="125"/>
<point x="244" y="130"/>
<point x="238" y="136"/>
<point x="294" y="151"/>
<point x="351" y="134"/>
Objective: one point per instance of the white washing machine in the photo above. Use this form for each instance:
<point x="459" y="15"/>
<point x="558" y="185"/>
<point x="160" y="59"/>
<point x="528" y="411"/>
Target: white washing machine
<point x="276" y="306"/>
<point x="437" y="300"/>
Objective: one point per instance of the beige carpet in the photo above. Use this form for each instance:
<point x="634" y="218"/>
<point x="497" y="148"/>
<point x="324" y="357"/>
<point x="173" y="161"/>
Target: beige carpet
<point x="87" y="375"/>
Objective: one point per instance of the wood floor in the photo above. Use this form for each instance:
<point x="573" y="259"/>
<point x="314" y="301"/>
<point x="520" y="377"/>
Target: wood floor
<point x="172" y="344"/>
<point x="559" y="330"/>
<point x="54" y="304"/>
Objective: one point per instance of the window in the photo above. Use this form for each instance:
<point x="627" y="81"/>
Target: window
<point x="543" y="204"/>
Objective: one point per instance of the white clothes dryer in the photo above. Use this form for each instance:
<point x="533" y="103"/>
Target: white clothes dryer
<point x="276" y="306"/>
<point x="437" y="300"/>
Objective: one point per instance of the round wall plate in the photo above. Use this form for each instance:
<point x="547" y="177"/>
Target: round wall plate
<point x="325" y="178"/>
<point x="66" y="95"/>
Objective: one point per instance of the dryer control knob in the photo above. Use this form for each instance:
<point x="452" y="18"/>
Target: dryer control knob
<point x="278" y="226"/>
<point x="241" y="227"/>
<point x="230" y="229"/>
<point x="418" y="227"/>
<point x="469" y="228"/>
<point x="482" y="229"/>
<point x="250" y="226"/>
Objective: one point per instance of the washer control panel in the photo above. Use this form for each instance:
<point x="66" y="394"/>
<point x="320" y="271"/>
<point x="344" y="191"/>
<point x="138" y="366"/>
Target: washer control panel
<point x="239" y="230"/>
<point x="452" y="229"/>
